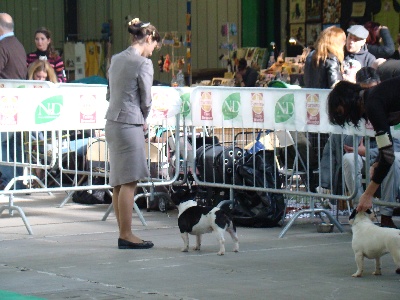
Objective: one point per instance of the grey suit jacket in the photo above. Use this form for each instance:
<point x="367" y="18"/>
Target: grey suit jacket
<point x="130" y="80"/>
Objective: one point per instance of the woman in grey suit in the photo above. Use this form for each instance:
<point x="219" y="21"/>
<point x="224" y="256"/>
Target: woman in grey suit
<point x="130" y="80"/>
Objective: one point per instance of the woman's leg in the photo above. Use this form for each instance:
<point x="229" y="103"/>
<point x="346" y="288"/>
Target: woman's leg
<point x="123" y="200"/>
<point x="115" y="196"/>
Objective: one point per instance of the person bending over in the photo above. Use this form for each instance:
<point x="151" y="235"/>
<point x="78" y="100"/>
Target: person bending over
<point x="348" y="103"/>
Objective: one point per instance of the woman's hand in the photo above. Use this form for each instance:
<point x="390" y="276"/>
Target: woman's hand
<point x="366" y="198"/>
<point x="365" y="202"/>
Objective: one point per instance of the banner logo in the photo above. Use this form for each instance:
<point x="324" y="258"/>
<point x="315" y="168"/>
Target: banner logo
<point x="88" y="109"/>
<point x="8" y="110"/>
<point x="185" y="107"/>
<point x="206" y="106"/>
<point x="231" y="106"/>
<point x="49" y="109"/>
<point x="257" y="107"/>
<point x="284" y="108"/>
<point x="160" y="105"/>
<point x="313" y="108"/>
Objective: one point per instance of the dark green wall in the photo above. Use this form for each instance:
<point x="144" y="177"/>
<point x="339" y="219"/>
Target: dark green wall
<point x="258" y="23"/>
<point x="250" y="23"/>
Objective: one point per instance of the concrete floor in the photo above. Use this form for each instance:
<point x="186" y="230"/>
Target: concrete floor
<point x="72" y="254"/>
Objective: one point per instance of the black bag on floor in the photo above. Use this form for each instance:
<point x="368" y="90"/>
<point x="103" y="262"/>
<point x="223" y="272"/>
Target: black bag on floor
<point x="97" y="196"/>
<point x="258" y="209"/>
<point x="215" y="161"/>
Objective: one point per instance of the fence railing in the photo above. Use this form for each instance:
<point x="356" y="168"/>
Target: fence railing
<point x="205" y="138"/>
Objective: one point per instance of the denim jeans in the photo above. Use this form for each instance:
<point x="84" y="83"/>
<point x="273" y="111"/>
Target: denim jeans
<point x="80" y="146"/>
<point x="11" y="153"/>
<point x="390" y="185"/>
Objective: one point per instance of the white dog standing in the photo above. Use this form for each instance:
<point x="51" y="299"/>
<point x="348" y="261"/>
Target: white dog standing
<point x="198" y="220"/>
<point x="372" y="241"/>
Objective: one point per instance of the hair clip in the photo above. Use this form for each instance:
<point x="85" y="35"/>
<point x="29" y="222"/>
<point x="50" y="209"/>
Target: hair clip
<point x="137" y="23"/>
<point x="134" y="22"/>
<point x="144" y="25"/>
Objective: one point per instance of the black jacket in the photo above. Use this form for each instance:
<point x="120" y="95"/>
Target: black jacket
<point x="325" y="75"/>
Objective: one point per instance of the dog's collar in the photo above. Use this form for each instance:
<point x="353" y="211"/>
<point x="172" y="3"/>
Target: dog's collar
<point x="354" y="212"/>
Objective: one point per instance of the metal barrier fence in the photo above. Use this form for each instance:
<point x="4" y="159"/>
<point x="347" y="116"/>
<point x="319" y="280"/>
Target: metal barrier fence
<point x="201" y="149"/>
<point x="71" y="161"/>
<point x="53" y="141"/>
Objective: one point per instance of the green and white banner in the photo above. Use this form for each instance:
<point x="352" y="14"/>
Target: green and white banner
<point x="54" y="108"/>
<point x="34" y="105"/>
<point x="267" y="108"/>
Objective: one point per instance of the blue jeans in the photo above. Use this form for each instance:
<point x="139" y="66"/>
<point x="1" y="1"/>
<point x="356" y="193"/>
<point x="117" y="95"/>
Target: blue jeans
<point x="80" y="146"/>
<point x="9" y="153"/>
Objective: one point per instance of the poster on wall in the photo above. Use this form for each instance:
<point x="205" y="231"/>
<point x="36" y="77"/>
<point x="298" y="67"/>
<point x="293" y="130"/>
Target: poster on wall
<point x="297" y="12"/>
<point x="313" y="10"/>
<point x="297" y="31"/>
<point x="331" y="11"/>
<point x="312" y="33"/>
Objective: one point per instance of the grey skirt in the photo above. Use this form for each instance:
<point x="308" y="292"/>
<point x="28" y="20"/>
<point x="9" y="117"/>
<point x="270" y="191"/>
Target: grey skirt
<point x="127" y="155"/>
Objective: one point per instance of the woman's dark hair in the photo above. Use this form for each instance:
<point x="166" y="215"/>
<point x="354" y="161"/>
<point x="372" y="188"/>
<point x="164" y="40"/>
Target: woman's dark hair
<point x="373" y="29"/>
<point x="344" y="104"/>
<point x="50" y="52"/>
<point x="367" y="75"/>
<point x="139" y="30"/>
<point x="242" y="64"/>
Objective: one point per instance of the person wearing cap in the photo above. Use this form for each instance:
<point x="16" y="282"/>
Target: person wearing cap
<point x="356" y="52"/>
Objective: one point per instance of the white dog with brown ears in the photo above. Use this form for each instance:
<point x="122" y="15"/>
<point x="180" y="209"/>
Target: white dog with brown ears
<point x="197" y="220"/>
<point x="372" y="241"/>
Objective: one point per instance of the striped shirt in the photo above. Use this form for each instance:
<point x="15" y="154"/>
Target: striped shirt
<point x="56" y="62"/>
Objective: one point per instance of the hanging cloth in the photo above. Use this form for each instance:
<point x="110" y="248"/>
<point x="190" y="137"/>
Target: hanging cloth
<point x="92" y="59"/>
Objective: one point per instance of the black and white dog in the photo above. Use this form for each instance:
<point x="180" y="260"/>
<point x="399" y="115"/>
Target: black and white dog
<point x="196" y="220"/>
<point x="372" y="241"/>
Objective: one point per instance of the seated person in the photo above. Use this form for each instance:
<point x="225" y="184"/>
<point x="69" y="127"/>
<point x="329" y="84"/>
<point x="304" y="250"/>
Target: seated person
<point x="38" y="70"/>
<point x="245" y="76"/>
<point x="332" y="154"/>
<point x="78" y="140"/>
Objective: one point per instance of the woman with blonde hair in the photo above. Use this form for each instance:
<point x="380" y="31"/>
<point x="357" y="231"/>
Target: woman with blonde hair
<point x="323" y="65"/>
<point x="41" y="70"/>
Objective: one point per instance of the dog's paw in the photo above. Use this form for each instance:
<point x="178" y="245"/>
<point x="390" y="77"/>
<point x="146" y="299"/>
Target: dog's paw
<point x="235" y="250"/>
<point x="377" y="272"/>
<point x="197" y="248"/>
<point x="398" y="271"/>
<point x="220" y="253"/>
<point x="184" y="250"/>
<point x="357" y="274"/>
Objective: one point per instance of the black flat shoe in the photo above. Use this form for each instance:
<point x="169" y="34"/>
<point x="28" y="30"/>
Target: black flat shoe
<point x="124" y="244"/>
